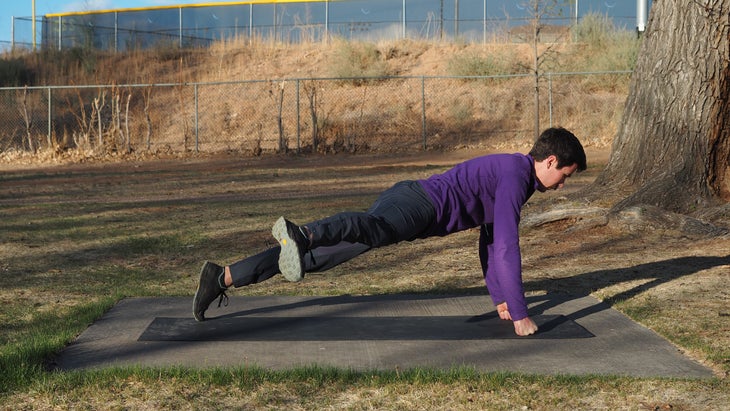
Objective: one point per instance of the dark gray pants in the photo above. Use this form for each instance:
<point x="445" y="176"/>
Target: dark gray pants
<point x="402" y="213"/>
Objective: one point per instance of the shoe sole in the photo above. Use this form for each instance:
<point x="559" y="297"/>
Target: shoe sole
<point x="290" y="262"/>
<point x="197" y="296"/>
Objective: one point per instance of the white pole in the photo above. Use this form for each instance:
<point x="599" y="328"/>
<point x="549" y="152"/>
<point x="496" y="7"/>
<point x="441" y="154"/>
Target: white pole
<point x="484" y="23"/>
<point x="404" y="19"/>
<point x="33" y="25"/>
<point x="641" y="15"/>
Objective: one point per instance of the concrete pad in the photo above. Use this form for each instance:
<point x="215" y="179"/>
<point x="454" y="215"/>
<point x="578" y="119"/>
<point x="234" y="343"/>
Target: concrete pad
<point x="377" y="332"/>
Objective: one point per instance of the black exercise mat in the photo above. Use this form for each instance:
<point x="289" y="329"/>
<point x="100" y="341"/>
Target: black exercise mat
<point x="355" y="328"/>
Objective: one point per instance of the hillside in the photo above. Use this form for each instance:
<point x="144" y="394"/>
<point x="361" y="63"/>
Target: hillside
<point x="345" y="115"/>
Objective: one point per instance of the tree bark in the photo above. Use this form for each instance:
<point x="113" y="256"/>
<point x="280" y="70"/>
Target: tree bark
<point x="673" y="145"/>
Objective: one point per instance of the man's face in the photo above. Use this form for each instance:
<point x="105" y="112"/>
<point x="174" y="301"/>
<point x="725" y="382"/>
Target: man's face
<point x="553" y="178"/>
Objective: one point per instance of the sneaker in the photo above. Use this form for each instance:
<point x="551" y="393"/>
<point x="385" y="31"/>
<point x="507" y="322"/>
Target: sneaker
<point x="293" y="246"/>
<point x="209" y="288"/>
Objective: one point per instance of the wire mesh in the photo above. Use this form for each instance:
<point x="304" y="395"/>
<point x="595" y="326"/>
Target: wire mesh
<point x="309" y="115"/>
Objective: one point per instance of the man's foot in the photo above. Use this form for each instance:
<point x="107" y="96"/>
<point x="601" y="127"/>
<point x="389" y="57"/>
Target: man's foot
<point x="293" y="245"/>
<point x="210" y="286"/>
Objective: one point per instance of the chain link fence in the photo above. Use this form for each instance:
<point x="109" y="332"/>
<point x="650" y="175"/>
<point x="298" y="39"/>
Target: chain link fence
<point x="308" y="115"/>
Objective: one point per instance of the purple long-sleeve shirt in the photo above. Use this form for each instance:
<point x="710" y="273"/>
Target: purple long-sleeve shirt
<point x="488" y="190"/>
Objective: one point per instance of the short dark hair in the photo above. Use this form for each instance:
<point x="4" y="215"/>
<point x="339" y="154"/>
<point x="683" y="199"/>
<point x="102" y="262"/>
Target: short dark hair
<point x="562" y="144"/>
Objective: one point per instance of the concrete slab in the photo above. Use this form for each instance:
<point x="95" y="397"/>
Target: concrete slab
<point x="611" y="345"/>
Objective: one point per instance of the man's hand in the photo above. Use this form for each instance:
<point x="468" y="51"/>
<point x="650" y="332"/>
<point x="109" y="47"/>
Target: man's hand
<point x="503" y="312"/>
<point x="525" y="327"/>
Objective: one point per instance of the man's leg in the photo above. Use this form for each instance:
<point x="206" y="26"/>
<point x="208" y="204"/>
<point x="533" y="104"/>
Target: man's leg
<point x="214" y="279"/>
<point x="265" y="265"/>
<point x="403" y="212"/>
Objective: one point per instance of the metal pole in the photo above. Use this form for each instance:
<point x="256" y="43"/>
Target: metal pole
<point x="33" y="25"/>
<point x="195" y="88"/>
<point x="404" y="19"/>
<point x="441" y="21"/>
<point x="641" y="13"/>
<point x="550" y="97"/>
<point x="456" y="19"/>
<point x="12" y="32"/>
<point x="423" y="111"/>
<point x="60" y="32"/>
<point x="50" y="113"/>
<point x="180" y="29"/>
<point x="575" y="22"/>
<point x="484" y="23"/>
<point x="298" y="123"/>
<point x="116" y="31"/>
<point x="326" y="21"/>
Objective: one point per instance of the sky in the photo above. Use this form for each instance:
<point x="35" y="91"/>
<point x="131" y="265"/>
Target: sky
<point x="24" y="8"/>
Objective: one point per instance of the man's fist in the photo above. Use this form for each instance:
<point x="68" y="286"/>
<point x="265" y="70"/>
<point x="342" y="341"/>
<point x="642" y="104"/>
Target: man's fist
<point x="503" y="312"/>
<point x="525" y="327"/>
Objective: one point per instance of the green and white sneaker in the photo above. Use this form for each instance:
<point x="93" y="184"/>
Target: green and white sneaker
<point x="293" y="246"/>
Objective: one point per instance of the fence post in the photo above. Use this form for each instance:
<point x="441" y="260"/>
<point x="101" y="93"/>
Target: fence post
<point x="180" y="27"/>
<point x="116" y="31"/>
<point x="423" y="111"/>
<point x="298" y="125"/>
<point x="404" y="19"/>
<point x="326" y="21"/>
<point x="484" y="23"/>
<point x="50" y="117"/>
<point x="550" y="97"/>
<point x="195" y="92"/>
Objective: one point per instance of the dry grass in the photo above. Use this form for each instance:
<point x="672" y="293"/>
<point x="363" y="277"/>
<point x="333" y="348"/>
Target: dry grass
<point x="75" y="234"/>
<point x="459" y="113"/>
<point x="166" y="392"/>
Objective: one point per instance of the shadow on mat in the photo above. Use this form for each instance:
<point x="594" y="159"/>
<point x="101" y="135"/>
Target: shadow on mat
<point x="558" y="290"/>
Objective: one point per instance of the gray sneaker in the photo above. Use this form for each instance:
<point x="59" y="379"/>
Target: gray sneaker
<point x="293" y="246"/>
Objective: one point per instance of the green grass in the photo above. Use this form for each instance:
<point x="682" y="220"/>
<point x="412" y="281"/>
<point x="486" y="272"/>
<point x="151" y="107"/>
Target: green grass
<point x="23" y="359"/>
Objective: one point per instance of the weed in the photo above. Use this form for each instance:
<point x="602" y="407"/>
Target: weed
<point x="357" y="63"/>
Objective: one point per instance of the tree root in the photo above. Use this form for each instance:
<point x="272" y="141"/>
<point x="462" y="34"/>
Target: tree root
<point x="635" y="219"/>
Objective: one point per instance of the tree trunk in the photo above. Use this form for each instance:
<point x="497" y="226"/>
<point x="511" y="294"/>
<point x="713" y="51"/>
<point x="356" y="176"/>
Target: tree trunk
<point x="673" y="146"/>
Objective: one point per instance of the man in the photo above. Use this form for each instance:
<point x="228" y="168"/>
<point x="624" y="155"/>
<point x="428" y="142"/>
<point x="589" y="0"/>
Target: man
<point x="487" y="191"/>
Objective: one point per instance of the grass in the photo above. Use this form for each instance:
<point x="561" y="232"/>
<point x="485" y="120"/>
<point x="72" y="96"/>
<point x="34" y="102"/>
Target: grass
<point x="355" y="60"/>
<point x="499" y="62"/>
<point x="72" y="244"/>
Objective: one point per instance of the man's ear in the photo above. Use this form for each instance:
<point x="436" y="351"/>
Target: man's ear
<point x="552" y="160"/>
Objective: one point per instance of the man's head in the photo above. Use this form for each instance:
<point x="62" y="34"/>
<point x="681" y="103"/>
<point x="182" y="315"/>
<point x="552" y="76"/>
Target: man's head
<point x="558" y="154"/>
<point x="561" y="143"/>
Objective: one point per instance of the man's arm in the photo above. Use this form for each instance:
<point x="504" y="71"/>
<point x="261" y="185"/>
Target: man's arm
<point x="505" y="260"/>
